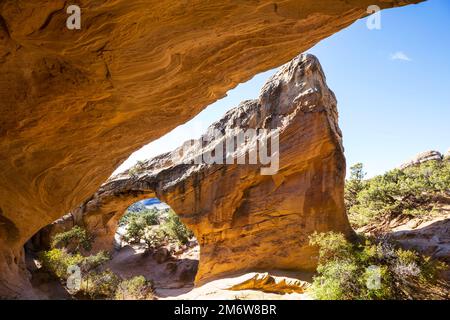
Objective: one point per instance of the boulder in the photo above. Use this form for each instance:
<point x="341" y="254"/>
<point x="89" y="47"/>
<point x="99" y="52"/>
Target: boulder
<point x="423" y="157"/>
<point x="161" y="255"/>
<point x="268" y="283"/>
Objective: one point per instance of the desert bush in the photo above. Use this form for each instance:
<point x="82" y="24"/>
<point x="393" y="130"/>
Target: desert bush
<point x="146" y="216"/>
<point x="136" y="288"/>
<point x="94" y="261"/>
<point x="346" y="271"/>
<point x="397" y="192"/>
<point x="154" y="237"/>
<point x="76" y="238"/>
<point x="56" y="261"/>
<point x="136" y="223"/>
<point x="65" y="253"/>
<point x="100" y="285"/>
<point x="142" y="227"/>
<point x="176" y="229"/>
<point x="95" y="282"/>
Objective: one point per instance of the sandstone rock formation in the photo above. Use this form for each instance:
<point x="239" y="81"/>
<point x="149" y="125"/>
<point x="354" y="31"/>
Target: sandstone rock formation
<point x="267" y="283"/>
<point x="243" y="219"/>
<point x="76" y="103"/>
<point x="251" y="286"/>
<point x="423" y="157"/>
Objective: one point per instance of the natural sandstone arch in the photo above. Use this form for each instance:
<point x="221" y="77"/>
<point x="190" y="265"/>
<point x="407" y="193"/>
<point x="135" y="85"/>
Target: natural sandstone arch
<point x="106" y="209"/>
<point x="71" y="100"/>
<point x="244" y="220"/>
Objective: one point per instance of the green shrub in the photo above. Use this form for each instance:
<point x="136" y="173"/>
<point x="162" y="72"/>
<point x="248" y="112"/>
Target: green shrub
<point x="75" y="238"/>
<point x="415" y="212"/>
<point x="154" y="237"/>
<point x="94" y="261"/>
<point x="176" y="229"/>
<point x="136" y="288"/>
<point x="57" y="261"/>
<point x="141" y="226"/>
<point x="345" y="271"/>
<point x="95" y="284"/>
<point x="136" y="223"/>
<point x="360" y="216"/>
<point x="333" y="246"/>
<point x="146" y="216"/>
<point x="100" y="285"/>
<point x="397" y="192"/>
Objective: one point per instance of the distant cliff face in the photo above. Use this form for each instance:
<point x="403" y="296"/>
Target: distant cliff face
<point x="243" y="217"/>
<point x="76" y="103"/>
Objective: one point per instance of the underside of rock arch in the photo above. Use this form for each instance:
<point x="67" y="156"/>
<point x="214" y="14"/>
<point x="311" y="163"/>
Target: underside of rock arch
<point x="75" y="104"/>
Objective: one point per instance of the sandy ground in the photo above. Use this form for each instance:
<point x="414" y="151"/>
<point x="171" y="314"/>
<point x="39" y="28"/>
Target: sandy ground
<point x="177" y="272"/>
<point x="132" y="260"/>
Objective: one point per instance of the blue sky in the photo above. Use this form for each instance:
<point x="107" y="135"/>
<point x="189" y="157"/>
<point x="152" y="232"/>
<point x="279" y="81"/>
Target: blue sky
<point x="392" y="86"/>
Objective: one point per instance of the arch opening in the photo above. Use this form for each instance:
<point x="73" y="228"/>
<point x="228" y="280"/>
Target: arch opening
<point x="152" y="241"/>
<point x="145" y="240"/>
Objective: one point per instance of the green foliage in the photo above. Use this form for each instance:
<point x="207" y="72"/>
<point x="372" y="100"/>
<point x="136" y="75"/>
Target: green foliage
<point x="65" y="253"/>
<point x="137" y="222"/>
<point x="176" y="229"/>
<point x="75" y="238"/>
<point x="136" y="288"/>
<point x="94" y="261"/>
<point x="396" y="192"/>
<point x="141" y="226"/>
<point x="346" y="271"/>
<point x="57" y="261"/>
<point x="148" y="217"/>
<point x="100" y="285"/>
<point x="155" y="237"/>
<point x="95" y="283"/>
<point x="333" y="246"/>
<point x="354" y="184"/>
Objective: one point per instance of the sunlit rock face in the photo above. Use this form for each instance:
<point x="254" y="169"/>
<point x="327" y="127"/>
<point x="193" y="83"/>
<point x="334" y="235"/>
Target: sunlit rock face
<point x="76" y="103"/>
<point x="244" y="216"/>
<point x="426" y="156"/>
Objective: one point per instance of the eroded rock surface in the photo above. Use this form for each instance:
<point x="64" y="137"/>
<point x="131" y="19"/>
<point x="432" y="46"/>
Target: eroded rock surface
<point x="76" y="103"/>
<point x="423" y="157"/>
<point x="267" y="283"/>
<point x="243" y="219"/>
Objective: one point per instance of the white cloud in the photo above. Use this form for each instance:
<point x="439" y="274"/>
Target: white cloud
<point x="400" y="55"/>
